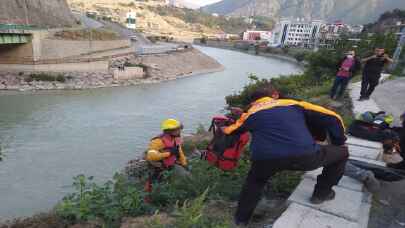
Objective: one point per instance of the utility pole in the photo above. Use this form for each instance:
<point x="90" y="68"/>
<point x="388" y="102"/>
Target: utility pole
<point x="398" y="51"/>
<point x="26" y="12"/>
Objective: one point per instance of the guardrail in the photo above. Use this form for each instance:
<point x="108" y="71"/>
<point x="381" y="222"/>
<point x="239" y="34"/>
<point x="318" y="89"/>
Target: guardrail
<point x="29" y="61"/>
<point x="18" y="27"/>
<point x="160" y="49"/>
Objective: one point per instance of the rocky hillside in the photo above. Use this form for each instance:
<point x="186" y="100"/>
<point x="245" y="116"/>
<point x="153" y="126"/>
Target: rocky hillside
<point x="43" y="13"/>
<point x="155" y="18"/>
<point x="350" y="11"/>
<point x="386" y="21"/>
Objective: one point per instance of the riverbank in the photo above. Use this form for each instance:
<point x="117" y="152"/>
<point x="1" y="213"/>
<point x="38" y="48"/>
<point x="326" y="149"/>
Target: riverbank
<point x="156" y="68"/>
<point x="248" y="49"/>
<point x="223" y="186"/>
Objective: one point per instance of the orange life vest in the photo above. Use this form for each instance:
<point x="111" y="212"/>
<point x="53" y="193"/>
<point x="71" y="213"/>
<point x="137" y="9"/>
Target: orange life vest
<point x="171" y="144"/>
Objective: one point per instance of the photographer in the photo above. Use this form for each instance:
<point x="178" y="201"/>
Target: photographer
<point x="372" y="72"/>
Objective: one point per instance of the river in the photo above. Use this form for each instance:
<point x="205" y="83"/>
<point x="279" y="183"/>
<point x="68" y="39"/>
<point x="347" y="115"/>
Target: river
<point x="50" y="137"/>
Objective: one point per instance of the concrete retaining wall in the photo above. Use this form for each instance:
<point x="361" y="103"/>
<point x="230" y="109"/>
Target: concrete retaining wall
<point x="16" y="52"/>
<point x="99" y="66"/>
<point x="56" y="49"/>
<point x="129" y="73"/>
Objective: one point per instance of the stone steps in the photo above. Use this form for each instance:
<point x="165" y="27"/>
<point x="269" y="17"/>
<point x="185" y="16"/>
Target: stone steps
<point x="351" y="206"/>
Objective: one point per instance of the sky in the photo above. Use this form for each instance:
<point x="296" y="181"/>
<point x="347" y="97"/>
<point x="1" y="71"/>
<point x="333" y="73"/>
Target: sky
<point x="203" y="2"/>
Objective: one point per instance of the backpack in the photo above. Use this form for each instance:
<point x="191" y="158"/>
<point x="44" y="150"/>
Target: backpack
<point x="224" y="151"/>
<point x="379" y="118"/>
<point x="371" y="126"/>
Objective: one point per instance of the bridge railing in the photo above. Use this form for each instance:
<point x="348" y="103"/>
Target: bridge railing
<point x="18" y="27"/>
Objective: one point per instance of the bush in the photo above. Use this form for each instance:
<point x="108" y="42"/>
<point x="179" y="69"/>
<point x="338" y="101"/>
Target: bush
<point x="242" y="99"/>
<point x="109" y="202"/>
<point x="60" y="78"/>
<point x="45" y="77"/>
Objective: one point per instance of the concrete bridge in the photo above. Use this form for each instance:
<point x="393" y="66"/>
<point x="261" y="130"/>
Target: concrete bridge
<point x="15" y="34"/>
<point x="17" y="42"/>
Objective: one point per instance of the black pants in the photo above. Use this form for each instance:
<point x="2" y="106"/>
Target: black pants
<point x="339" y="86"/>
<point x="332" y="158"/>
<point x="368" y="84"/>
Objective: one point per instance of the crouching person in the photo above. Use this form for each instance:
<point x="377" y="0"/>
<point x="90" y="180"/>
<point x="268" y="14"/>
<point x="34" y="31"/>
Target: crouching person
<point x="165" y="152"/>
<point x="281" y="141"/>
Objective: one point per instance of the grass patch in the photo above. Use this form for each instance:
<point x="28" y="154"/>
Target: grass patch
<point x="184" y="199"/>
<point x="87" y="34"/>
<point x="46" y="78"/>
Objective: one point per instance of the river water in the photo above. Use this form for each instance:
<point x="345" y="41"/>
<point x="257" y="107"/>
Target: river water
<point x="49" y="137"/>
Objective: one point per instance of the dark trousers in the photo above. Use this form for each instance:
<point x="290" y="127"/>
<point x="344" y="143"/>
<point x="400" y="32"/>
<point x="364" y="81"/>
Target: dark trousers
<point x="368" y="84"/>
<point x="339" y="86"/>
<point x="332" y="158"/>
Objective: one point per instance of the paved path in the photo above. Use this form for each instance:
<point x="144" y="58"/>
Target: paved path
<point x="88" y="22"/>
<point x="388" y="210"/>
<point x="390" y="96"/>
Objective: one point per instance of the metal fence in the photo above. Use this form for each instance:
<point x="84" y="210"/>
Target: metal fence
<point x="18" y="27"/>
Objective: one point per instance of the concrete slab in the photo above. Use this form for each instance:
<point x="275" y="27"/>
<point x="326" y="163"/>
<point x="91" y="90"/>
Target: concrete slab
<point x="371" y="161"/>
<point x="298" y="216"/>
<point x="363" y="152"/>
<point x="362" y="142"/>
<point x="345" y="182"/>
<point x="365" y="210"/>
<point x="361" y="106"/>
<point x="346" y="204"/>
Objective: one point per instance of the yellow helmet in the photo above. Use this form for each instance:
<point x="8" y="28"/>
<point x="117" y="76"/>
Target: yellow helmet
<point x="170" y="124"/>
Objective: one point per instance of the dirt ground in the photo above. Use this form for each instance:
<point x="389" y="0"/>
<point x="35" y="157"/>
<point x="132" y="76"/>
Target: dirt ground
<point x="388" y="209"/>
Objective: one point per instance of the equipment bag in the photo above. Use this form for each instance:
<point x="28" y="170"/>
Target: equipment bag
<point x="224" y="151"/>
<point x="368" y="131"/>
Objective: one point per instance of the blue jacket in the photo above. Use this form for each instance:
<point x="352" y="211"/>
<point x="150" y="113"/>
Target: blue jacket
<point x="280" y="129"/>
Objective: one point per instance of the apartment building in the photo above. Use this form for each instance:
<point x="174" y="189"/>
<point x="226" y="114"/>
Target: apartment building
<point x="297" y="33"/>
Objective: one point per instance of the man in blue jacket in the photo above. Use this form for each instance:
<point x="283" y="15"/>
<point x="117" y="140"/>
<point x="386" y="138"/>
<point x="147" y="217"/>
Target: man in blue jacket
<point x="281" y="141"/>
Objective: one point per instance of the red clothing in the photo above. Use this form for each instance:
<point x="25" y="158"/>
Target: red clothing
<point x="344" y="70"/>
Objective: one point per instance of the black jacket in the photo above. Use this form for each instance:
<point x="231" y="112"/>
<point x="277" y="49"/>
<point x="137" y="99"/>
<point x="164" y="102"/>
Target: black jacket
<point x="355" y="68"/>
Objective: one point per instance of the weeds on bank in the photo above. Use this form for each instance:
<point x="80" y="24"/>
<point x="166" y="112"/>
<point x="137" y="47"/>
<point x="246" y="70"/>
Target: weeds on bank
<point x="108" y="202"/>
<point x="119" y="198"/>
<point x="45" y="77"/>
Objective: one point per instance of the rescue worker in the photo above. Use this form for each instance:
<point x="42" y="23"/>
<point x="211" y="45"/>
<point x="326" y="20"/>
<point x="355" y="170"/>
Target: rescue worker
<point x="165" y="152"/>
<point x="281" y="141"/>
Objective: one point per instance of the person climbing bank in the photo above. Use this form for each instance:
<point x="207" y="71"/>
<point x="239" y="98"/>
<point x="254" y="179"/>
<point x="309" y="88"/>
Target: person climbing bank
<point x="165" y="151"/>
<point x="281" y="140"/>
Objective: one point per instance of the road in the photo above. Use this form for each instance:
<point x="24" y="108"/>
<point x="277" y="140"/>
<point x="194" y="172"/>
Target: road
<point x="126" y="33"/>
<point x="390" y="97"/>
<point x="118" y="28"/>
<point x="388" y="209"/>
<point x="87" y="21"/>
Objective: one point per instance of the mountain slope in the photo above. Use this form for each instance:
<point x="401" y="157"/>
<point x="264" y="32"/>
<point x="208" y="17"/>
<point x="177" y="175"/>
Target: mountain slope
<point x="351" y="11"/>
<point x="44" y="13"/>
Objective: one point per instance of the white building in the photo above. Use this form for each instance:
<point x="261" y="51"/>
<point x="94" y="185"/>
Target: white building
<point x="298" y="33"/>
<point x="130" y="20"/>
